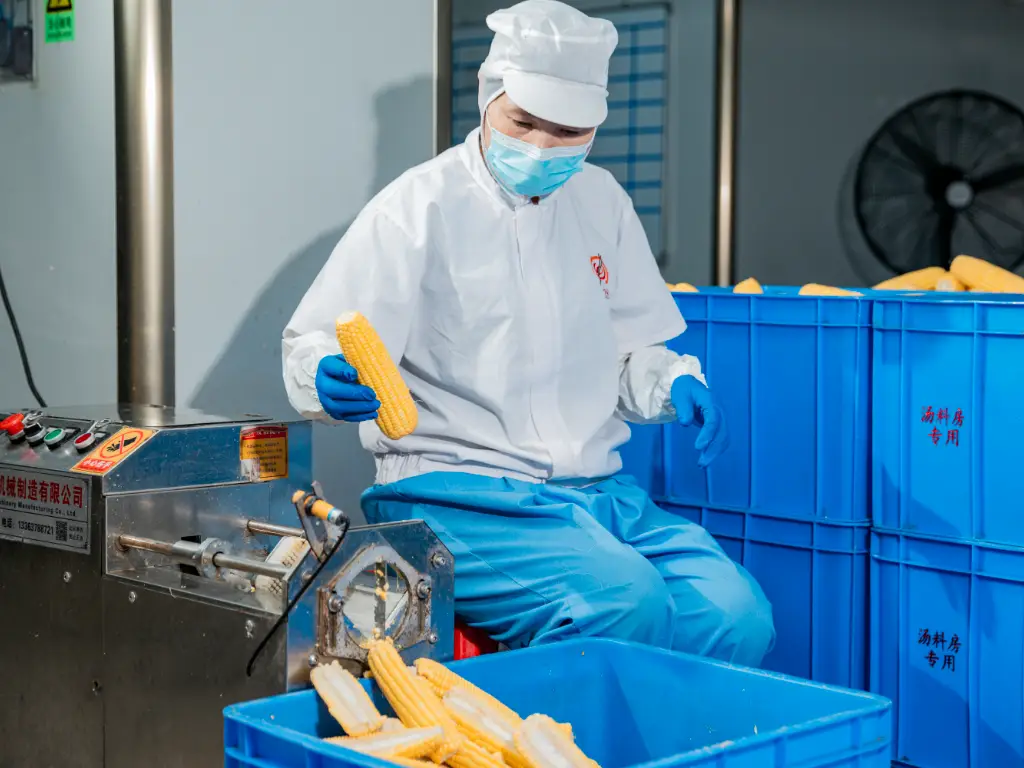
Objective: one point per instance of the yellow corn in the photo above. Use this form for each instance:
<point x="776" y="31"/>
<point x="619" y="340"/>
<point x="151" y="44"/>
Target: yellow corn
<point x="487" y="725"/>
<point x="472" y="755"/>
<point x="949" y="283"/>
<point x="411" y="743"/>
<point x="346" y="700"/>
<point x="442" y="680"/>
<point x="682" y="288"/>
<point x="392" y="724"/>
<point x="411" y="697"/>
<point x="750" y="285"/>
<point x="363" y="348"/>
<point x="407" y="763"/>
<point x="918" y="280"/>
<point x="544" y="745"/>
<point x="813" y="289"/>
<point x="982" y="276"/>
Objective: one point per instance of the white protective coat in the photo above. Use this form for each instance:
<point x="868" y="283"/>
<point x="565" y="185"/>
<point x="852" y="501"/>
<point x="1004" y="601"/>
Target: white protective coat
<point x="527" y="333"/>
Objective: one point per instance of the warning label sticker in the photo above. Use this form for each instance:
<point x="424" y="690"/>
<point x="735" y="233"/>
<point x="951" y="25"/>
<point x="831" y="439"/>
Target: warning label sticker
<point x="45" y="509"/>
<point x="264" y="453"/>
<point x="113" y="451"/>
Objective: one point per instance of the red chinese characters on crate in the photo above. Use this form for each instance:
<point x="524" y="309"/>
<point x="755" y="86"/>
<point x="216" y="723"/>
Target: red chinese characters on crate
<point x="950" y="649"/>
<point x="57" y="494"/>
<point x="946" y="424"/>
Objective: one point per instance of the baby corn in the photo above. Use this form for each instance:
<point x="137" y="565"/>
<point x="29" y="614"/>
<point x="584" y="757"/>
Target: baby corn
<point x="410" y="743"/>
<point x="346" y="700"/>
<point x="544" y="745"/>
<point x="411" y="697"/>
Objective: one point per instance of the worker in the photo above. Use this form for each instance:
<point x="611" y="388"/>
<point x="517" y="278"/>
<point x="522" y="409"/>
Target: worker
<point x="514" y="285"/>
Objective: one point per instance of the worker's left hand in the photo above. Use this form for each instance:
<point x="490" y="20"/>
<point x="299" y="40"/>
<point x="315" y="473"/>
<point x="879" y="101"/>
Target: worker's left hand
<point x="695" y="404"/>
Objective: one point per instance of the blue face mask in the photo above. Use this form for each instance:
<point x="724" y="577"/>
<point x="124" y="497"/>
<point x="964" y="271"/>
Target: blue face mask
<point x="530" y="171"/>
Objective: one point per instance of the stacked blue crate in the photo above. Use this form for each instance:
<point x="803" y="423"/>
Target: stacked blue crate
<point x="947" y="572"/>
<point x="790" y="498"/>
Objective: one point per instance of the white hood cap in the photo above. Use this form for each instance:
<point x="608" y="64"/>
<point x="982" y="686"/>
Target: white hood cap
<point x="551" y="60"/>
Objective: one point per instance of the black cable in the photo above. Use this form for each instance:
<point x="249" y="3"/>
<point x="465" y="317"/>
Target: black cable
<point x="295" y="600"/>
<point x="20" y="342"/>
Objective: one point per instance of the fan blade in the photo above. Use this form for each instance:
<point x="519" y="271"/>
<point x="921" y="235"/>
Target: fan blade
<point x="898" y="161"/>
<point x="993" y="246"/>
<point x="1001" y="178"/>
<point x="915" y="152"/>
<point x="995" y="213"/>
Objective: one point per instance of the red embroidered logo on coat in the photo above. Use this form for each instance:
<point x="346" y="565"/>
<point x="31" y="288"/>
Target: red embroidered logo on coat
<point x="597" y="264"/>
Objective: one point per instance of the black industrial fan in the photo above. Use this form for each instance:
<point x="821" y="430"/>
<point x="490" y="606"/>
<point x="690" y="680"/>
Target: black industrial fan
<point x="941" y="177"/>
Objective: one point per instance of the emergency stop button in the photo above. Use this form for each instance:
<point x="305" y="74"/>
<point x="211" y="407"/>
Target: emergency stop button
<point x="85" y="441"/>
<point x="12" y="423"/>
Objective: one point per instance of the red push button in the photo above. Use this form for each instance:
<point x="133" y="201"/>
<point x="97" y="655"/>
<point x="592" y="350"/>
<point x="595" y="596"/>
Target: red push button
<point x="12" y="423"/>
<point x="84" y="441"/>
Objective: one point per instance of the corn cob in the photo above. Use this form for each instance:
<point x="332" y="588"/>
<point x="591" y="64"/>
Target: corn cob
<point x="411" y="743"/>
<point x="346" y="700"/>
<point x="949" y="283"/>
<point x="408" y="763"/>
<point x="544" y="745"/>
<point x="411" y="697"/>
<point x="750" y="285"/>
<point x="472" y="755"/>
<point x="682" y="288"/>
<point x="392" y="724"/>
<point x="442" y="680"/>
<point x="918" y="280"/>
<point x="813" y="289"/>
<point x="288" y="551"/>
<point x="483" y="723"/>
<point x="363" y="348"/>
<point x="980" y="275"/>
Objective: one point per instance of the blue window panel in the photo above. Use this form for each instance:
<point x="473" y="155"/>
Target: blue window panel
<point x="630" y="144"/>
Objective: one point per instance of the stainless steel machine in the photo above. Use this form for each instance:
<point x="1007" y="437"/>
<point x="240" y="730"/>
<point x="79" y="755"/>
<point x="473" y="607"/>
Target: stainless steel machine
<point x="157" y="565"/>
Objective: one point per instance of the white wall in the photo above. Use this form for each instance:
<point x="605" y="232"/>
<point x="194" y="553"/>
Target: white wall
<point x="57" y="228"/>
<point x="690" y="141"/>
<point x="818" y="78"/>
<point x="288" y="118"/>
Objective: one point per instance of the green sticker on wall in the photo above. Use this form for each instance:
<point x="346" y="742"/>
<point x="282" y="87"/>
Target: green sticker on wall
<point x="60" y="21"/>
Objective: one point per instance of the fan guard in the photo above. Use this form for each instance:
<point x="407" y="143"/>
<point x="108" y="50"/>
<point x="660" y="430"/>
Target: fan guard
<point x="941" y="177"/>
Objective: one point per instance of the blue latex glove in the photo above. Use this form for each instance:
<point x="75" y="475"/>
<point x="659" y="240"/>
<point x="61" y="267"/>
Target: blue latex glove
<point x="694" y="403"/>
<point x="341" y="395"/>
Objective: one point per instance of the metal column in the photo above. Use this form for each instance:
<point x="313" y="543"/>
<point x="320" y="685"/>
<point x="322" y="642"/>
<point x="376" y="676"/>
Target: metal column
<point x="143" y="94"/>
<point x="442" y="75"/>
<point x="727" y="75"/>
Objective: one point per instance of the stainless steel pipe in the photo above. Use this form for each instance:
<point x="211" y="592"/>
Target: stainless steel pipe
<point x="187" y="553"/>
<point x="272" y="529"/>
<point x="143" y="112"/>
<point x="727" y="76"/>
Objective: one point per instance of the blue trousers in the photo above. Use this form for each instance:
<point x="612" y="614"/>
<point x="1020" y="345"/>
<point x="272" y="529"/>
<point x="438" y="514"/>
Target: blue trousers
<point x="538" y="563"/>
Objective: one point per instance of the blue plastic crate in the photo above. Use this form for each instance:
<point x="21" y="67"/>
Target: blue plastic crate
<point x="948" y="378"/>
<point x="947" y="635"/>
<point x="628" y="704"/>
<point x="815" y="575"/>
<point x="793" y="376"/>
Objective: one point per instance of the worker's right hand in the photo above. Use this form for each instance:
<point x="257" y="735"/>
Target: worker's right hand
<point x="340" y="393"/>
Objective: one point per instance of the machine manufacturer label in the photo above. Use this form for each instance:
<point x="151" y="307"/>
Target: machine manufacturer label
<point x="113" y="451"/>
<point x="50" y="510"/>
<point x="264" y="453"/>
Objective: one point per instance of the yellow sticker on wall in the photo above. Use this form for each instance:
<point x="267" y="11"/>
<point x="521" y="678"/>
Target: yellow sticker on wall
<point x="264" y="453"/>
